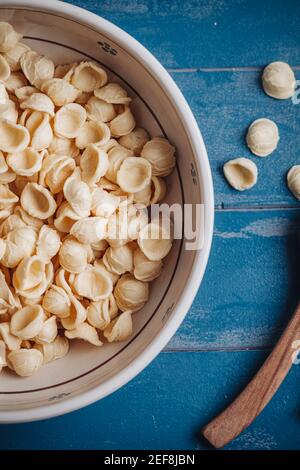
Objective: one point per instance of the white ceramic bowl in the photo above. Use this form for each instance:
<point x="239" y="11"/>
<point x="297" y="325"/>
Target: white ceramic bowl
<point x="67" y="33"/>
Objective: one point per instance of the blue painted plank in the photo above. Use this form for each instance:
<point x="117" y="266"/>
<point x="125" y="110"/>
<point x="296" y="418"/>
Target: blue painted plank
<point x="251" y="284"/>
<point x="210" y="33"/>
<point x="166" y="405"/>
<point x="225" y="104"/>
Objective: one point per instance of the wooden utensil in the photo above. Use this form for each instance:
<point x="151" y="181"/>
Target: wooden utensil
<point x="249" y="404"/>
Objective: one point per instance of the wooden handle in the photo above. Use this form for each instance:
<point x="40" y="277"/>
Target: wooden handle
<point x="247" y="406"/>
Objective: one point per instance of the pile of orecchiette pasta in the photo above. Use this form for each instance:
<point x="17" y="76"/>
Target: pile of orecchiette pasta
<point x="77" y="251"/>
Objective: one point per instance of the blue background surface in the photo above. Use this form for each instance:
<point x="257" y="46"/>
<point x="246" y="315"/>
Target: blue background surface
<point x="215" y="51"/>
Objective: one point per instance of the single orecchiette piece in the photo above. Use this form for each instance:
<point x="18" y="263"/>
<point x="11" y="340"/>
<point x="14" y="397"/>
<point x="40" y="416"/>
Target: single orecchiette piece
<point x="55" y="350"/>
<point x="160" y="153"/>
<point x="25" y="362"/>
<point x="40" y="130"/>
<point x="262" y="137"/>
<point x="104" y="203"/>
<point x="93" y="284"/>
<point x="241" y="173"/>
<point x="48" y="332"/>
<point x="19" y="243"/>
<point x="7" y="197"/>
<point x="120" y="329"/>
<point x="25" y="163"/>
<point x="118" y="260"/>
<point x="99" y="110"/>
<point x="92" y="132"/>
<point x="293" y="180"/>
<point x="77" y="314"/>
<point x="69" y="119"/>
<point x="122" y="124"/>
<point x="93" y="163"/>
<point x="38" y="201"/>
<point x="135" y="140"/>
<point x="8" y="37"/>
<point x="89" y="229"/>
<point x="14" y="137"/>
<point x="60" y="91"/>
<point x="112" y="93"/>
<point x="39" y="102"/>
<point x="98" y="263"/>
<point x="131" y="294"/>
<point x="57" y="301"/>
<point x="159" y="189"/>
<point x="100" y="313"/>
<point x="12" y="342"/>
<point x="36" y="68"/>
<point x="279" y="80"/>
<point x="11" y="113"/>
<point x="86" y="332"/>
<point x="32" y="277"/>
<point x="145" y="269"/>
<point x="55" y="171"/>
<point x="65" y="217"/>
<point x="78" y="195"/>
<point x="27" y="322"/>
<point x="74" y="256"/>
<point x="155" y="240"/>
<point x="88" y="76"/>
<point x="48" y="243"/>
<point x="4" y="69"/>
<point x="13" y="56"/>
<point x="116" y="156"/>
<point x="134" y="174"/>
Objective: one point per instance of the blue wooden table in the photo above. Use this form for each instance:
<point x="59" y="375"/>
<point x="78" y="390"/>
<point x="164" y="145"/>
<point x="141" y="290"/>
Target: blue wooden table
<point x="215" y="51"/>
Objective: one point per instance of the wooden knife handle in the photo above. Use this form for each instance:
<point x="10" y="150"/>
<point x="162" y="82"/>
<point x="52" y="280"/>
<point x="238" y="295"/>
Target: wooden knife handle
<point x="248" y="405"/>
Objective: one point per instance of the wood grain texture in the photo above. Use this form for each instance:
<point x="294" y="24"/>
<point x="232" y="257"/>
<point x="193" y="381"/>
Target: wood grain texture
<point x="253" y="399"/>
<point x="251" y="285"/>
<point x="208" y="33"/>
<point x="165" y="405"/>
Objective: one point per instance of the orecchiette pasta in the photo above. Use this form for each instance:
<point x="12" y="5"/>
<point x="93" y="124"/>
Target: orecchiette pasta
<point x="77" y="248"/>
<point x="241" y="173"/>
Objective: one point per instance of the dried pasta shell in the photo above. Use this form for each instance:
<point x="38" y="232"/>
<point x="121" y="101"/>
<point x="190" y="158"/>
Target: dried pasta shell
<point x="93" y="163"/>
<point x="118" y="260"/>
<point x="8" y="177"/>
<point x="25" y="163"/>
<point x="4" y="98"/>
<point x="27" y="322"/>
<point x="92" y="132"/>
<point x="64" y="70"/>
<point x="74" y="256"/>
<point x="32" y="277"/>
<point x="69" y="119"/>
<point x="57" y="302"/>
<point x="56" y="170"/>
<point x="7" y="197"/>
<point x="144" y="269"/>
<point x="15" y="81"/>
<point x="36" y="68"/>
<point x="4" y="69"/>
<point x="12" y="342"/>
<point x="135" y="140"/>
<point x="77" y="315"/>
<point x="83" y="97"/>
<point x="112" y="93"/>
<point x="25" y="362"/>
<point x="262" y="137"/>
<point x="134" y="174"/>
<point x="63" y="146"/>
<point x="55" y="350"/>
<point x="137" y="218"/>
<point x="13" y="56"/>
<point x="89" y="229"/>
<point x="24" y="92"/>
<point x="39" y="102"/>
<point x="98" y="263"/>
<point x="48" y="243"/>
<point x="32" y="222"/>
<point x="38" y="201"/>
<point x="120" y="329"/>
<point x="131" y="294"/>
<point x="11" y="113"/>
<point x="8" y="37"/>
<point x="160" y="153"/>
<point x="241" y="173"/>
<point x="100" y="313"/>
<point x="116" y="156"/>
<point x="14" y="138"/>
<point x="158" y="188"/>
<point x="48" y="332"/>
<point x="88" y="76"/>
<point x="93" y="284"/>
<point x="104" y="204"/>
<point x="78" y="195"/>
<point x="85" y="332"/>
<point x="122" y="124"/>
<point x="11" y="223"/>
<point x="99" y="110"/>
<point x="65" y="218"/>
<point x="60" y="91"/>
<point x="40" y="130"/>
<point x="279" y="80"/>
<point x="19" y="243"/>
<point x="7" y="296"/>
<point x="155" y="241"/>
